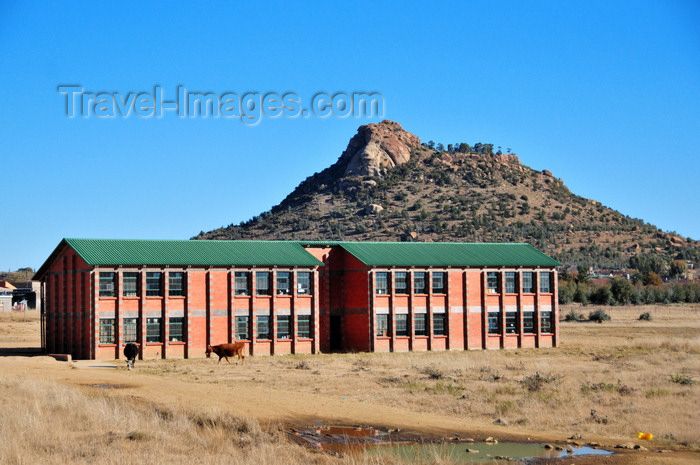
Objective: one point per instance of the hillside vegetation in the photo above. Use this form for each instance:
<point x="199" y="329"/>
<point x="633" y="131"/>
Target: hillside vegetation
<point x="458" y="193"/>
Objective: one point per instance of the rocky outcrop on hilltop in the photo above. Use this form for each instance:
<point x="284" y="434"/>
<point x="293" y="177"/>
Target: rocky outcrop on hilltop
<point x="377" y="147"/>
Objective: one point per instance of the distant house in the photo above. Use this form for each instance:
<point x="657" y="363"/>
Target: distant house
<point x="6" y="289"/>
<point x="175" y="297"/>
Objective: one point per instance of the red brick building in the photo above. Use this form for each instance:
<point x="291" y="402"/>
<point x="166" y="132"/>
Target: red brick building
<point x="175" y="297"/>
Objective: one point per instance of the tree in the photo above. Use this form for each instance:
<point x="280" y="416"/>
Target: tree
<point x="431" y="144"/>
<point x="677" y="268"/>
<point x="440" y="147"/>
<point x="621" y="290"/>
<point x="652" y="279"/>
<point x="646" y="263"/>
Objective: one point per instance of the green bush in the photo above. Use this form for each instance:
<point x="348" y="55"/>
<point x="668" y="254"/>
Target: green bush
<point x="573" y="316"/>
<point x="599" y="316"/>
<point x="681" y="379"/>
<point x="646" y="316"/>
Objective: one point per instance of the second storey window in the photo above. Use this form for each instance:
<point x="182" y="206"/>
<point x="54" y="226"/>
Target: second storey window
<point x="492" y="282"/>
<point x="303" y="283"/>
<point x="153" y="283"/>
<point x="382" y="282"/>
<point x="439" y="286"/>
<point x="545" y="286"/>
<point x="401" y="278"/>
<point x="176" y="284"/>
<point x="511" y="287"/>
<point x="419" y="282"/>
<point x="284" y="283"/>
<point x="107" y="284"/>
<point x="527" y="282"/>
<point x="262" y="283"/>
<point x="241" y="278"/>
<point x="130" y="282"/>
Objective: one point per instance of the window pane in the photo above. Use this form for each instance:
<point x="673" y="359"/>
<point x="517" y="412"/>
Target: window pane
<point x="263" y="327"/>
<point x="439" y="324"/>
<point x="262" y="283"/>
<point x="510" y="282"/>
<point x="527" y="282"/>
<point x="382" y="327"/>
<point x="546" y="322"/>
<point x="544" y="282"/>
<point x="153" y="283"/>
<point x="419" y="326"/>
<point x="304" y="283"/>
<point x="438" y="282"/>
<point x="152" y="329"/>
<point x="106" y="284"/>
<point x="107" y="331"/>
<point x="130" y="281"/>
<point x="242" y="332"/>
<point x="419" y="282"/>
<point x="283" y="327"/>
<point x="242" y="278"/>
<point x="402" y="325"/>
<point x="304" y="326"/>
<point x="176" y="329"/>
<point x="511" y="323"/>
<point x="283" y="283"/>
<point x="494" y="323"/>
<point x="131" y="330"/>
<point x="176" y="283"/>
<point x="492" y="282"/>
<point x="529" y="322"/>
<point x="382" y="282"/>
<point x="400" y="278"/>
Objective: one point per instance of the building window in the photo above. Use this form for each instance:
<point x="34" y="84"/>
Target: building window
<point x="131" y="330"/>
<point x="107" y="284"/>
<point x="154" y="288"/>
<point x="304" y="326"/>
<point x="176" y="284"/>
<point x="382" y="327"/>
<point x="303" y="283"/>
<point x="545" y="287"/>
<point x="176" y="329"/>
<point x="546" y="322"/>
<point x="241" y="280"/>
<point x="262" y="283"/>
<point x="242" y="332"/>
<point x="382" y="282"/>
<point x="492" y="282"/>
<point x="419" y="282"/>
<point x="527" y="282"/>
<point x="529" y="322"/>
<point x="438" y="282"/>
<point x="153" y="330"/>
<point x="401" y="325"/>
<point x="419" y="326"/>
<point x="400" y="282"/>
<point x="283" y="326"/>
<point x="263" y="327"/>
<point x="494" y="323"/>
<point x="511" y="287"/>
<point x="130" y="284"/>
<point x="107" y="331"/>
<point x="512" y="323"/>
<point x="439" y="327"/>
<point x="284" y="283"/>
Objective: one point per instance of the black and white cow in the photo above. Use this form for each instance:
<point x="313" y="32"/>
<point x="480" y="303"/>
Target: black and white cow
<point x="131" y="351"/>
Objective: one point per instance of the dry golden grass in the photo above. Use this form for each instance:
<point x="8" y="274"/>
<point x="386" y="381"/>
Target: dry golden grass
<point x="636" y="376"/>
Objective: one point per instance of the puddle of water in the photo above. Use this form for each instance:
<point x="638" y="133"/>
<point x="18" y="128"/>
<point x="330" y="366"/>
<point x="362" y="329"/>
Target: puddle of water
<point x="478" y="452"/>
<point x="375" y="442"/>
<point x="108" y="386"/>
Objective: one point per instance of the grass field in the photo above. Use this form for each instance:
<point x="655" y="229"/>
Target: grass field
<point x="609" y="381"/>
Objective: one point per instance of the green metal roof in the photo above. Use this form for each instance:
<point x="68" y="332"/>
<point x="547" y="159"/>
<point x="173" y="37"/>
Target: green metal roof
<point x="187" y="252"/>
<point x="447" y="254"/>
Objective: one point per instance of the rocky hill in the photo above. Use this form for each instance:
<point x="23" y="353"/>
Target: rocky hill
<point x="389" y="186"/>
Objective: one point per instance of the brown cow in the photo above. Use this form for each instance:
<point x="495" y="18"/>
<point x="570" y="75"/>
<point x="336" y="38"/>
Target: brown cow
<point x="226" y="351"/>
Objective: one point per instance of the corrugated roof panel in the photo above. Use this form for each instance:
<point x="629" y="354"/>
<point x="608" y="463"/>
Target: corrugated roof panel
<point x="190" y="252"/>
<point x="447" y="254"/>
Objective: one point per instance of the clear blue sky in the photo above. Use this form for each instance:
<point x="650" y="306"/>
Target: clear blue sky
<point x="606" y="95"/>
